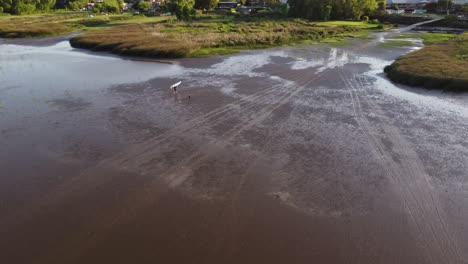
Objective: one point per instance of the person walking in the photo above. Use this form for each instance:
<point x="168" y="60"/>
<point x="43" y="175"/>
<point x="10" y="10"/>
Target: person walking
<point x="174" y="87"/>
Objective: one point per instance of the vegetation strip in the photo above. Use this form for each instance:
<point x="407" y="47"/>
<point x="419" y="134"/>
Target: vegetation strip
<point x="443" y="65"/>
<point x="57" y="24"/>
<point x="213" y="36"/>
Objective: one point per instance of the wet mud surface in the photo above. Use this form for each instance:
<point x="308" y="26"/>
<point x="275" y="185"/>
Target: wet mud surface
<point x="286" y="155"/>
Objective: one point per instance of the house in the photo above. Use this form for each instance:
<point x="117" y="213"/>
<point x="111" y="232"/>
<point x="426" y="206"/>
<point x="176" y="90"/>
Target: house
<point x="244" y="10"/>
<point x="227" y="5"/>
<point x="61" y="3"/>
<point x="408" y="3"/>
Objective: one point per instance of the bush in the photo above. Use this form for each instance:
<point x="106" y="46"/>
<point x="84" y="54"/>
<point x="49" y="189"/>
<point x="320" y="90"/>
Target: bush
<point x="23" y="8"/>
<point x="206" y="4"/>
<point x="18" y="7"/>
<point x="183" y="9"/>
<point x="365" y="19"/>
<point x="110" y="6"/>
<point x="451" y="18"/>
<point x="77" y="4"/>
<point x="144" y="6"/>
<point x="198" y="13"/>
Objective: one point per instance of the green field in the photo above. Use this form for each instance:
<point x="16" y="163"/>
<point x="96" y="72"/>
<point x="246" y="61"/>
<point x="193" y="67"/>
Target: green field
<point x="53" y="24"/>
<point x="443" y="65"/>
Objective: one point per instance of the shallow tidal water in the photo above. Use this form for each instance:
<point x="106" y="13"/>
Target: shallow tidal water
<point x="284" y="155"/>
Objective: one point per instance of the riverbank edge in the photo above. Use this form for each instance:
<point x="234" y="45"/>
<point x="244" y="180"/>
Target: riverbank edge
<point x="417" y="80"/>
<point x="405" y="70"/>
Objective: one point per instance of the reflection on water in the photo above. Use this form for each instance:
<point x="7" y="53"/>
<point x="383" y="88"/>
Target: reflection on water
<point x="30" y="76"/>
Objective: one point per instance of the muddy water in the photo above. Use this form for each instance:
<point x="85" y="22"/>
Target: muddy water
<point x="288" y="155"/>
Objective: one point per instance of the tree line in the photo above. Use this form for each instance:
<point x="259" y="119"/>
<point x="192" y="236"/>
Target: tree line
<point x="184" y="9"/>
<point x="335" y="9"/>
<point x="25" y="6"/>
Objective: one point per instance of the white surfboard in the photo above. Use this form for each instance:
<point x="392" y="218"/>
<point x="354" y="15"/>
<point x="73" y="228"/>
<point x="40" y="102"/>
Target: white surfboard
<point x="175" y="85"/>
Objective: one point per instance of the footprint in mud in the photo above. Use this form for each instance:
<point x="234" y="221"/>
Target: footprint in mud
<point x="69" y="104"/>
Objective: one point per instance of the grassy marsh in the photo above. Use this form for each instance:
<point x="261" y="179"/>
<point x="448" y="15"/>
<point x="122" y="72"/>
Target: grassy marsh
<point x="443" y="65"/>
<point x="214" y="36"/>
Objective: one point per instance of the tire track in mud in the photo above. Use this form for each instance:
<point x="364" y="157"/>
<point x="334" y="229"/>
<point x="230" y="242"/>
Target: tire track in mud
<point x="174" y="177"/>
<point x="219" y="114"/>
<point x="417" y="170"/>
<point x="231" y="135"/>
<point x="410" y="179"/>
<point x="258" y="115"/>
<point x="85" y="181"/>
<point x="394" y="32"/>
<point x="80" y="185"/>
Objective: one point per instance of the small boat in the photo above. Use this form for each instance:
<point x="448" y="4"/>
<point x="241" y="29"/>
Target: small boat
<point x="175" y="85"/>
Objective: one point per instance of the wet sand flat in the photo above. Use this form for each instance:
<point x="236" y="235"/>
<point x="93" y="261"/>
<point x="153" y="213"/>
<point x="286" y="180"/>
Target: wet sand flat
<point x="287" y="155"/>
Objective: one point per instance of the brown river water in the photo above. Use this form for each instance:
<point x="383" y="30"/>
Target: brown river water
<point x="305" y="154"/>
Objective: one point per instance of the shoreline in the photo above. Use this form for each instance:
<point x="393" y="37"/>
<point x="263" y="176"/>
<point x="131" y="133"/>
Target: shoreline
<point x="438" y="66"/>
<point x="50" y="41"/>
<point x="40" y="41"/>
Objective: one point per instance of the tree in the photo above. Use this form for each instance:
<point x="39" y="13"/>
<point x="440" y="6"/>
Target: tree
<point x="327" y="12"/>
<point x="109" y="6"/>
<point x="6" y="5"/>
<point x="183" y="9"/>
<point x="444" y="4"/>
<point x="25" y="6"/>
<point x="206" y="4"/>
<point x="465" y="8"/>
<point x="331" y="9"/>
<point x="45" y="5"/>
<point x="278" y="8"/>
<point x="381" y="7"/>
<point x="144" y="6"/>
<point x="77" y="4"/>
<point x="431" y="7"/>
<point x="361" y="7"/>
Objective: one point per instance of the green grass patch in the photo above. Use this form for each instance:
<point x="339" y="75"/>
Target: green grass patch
<point x="443" y="65"/>
<point x="357" y="24"/>
<point x="395" y="43"/>
<point x="428" y="38"/>
<point x="59" y="23"/>
<point x="205" y="52"/>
